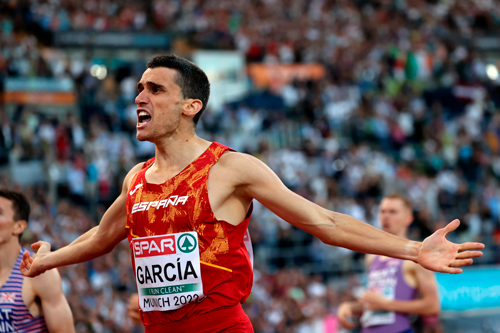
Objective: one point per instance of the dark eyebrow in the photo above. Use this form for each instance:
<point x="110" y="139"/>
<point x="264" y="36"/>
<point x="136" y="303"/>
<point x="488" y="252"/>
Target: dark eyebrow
<point x="150" y="83"/>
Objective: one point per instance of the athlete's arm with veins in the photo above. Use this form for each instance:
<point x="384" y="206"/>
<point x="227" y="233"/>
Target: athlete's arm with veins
<point x="427" y="305"/>
<point x="85" y="236"/>
<point x="94" y="243"/>
<point x="254" y="179"/>
<point x="56" y="310"/>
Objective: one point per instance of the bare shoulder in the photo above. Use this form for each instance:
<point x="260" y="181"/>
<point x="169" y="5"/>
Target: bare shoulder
<point x="46" y="284"/>
<point x="135" y="169"/>
<point x="244" y="167"/>
<point x="131" y="174"/>
<point x="234" y="158"/>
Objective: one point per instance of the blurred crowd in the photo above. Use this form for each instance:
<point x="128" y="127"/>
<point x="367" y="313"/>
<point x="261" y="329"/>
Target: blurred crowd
<point x="403" y="107"/>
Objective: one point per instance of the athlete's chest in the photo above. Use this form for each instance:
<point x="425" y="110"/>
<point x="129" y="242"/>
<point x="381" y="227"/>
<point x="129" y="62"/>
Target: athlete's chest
<point x="384" y="273"/>
<point x="179" y="205"/>
<point x="12" y="305"/>
<point x="7" y="312"/>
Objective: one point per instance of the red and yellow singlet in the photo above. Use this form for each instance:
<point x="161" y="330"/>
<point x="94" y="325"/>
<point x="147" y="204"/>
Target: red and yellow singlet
<point x="181" y="205"/>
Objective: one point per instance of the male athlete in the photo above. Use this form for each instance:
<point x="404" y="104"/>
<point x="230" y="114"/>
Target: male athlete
<point x="26" y="305"/>
<point x="396" y="288"/>
<point x="186" y="211"/>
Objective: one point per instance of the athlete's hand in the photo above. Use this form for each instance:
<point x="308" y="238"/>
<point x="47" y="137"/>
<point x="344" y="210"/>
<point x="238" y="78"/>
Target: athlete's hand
<point x="440" y="255"/>
<point x="345" y="315"/>
<point x="31" y="267"/>
<point x="133" y="309"/>
<point x="373" y="301"/>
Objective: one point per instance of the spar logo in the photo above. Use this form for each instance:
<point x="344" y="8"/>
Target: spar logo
<point x="186" y="243"/>
<point x="154" y="246"/>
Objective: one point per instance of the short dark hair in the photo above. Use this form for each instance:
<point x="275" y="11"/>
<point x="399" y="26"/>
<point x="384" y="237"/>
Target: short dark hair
<point x="190" y="78"/>
<point x="20" y="205"/>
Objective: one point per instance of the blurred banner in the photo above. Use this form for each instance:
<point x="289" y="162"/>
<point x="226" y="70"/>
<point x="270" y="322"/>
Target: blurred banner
<point x="226" y="73"/>
<point x="39" y="91"/>
<point x="277" y="75"/>
<point x="112" y="39"/>
<point x="487" y="43"/>
<point x="474" y="290"/>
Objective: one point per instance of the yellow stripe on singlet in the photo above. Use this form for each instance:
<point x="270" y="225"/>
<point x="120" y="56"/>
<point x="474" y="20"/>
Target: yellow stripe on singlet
<point x="131" y="233"/>
<point x="219" y="267"/>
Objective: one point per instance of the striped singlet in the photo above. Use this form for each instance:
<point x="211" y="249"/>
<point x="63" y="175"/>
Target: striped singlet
<point x="14" y="315"/>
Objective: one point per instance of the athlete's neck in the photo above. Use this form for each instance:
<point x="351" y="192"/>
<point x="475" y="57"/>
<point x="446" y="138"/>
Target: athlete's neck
<point x="402" y="235"/>
<point x="8" y="254"/>
<point x="172" y="156"/>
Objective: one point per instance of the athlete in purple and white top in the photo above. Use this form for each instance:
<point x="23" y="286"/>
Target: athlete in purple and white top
<point x="31" y="305"/>
<point x="396" y="288"/>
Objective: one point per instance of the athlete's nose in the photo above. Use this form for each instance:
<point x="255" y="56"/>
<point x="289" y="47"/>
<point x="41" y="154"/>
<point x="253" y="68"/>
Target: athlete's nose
<point x="141" y="98"/>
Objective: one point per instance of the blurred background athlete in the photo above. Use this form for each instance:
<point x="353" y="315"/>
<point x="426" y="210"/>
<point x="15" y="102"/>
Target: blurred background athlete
<point x="396" y="288"/>
<point x="26" y="305"/>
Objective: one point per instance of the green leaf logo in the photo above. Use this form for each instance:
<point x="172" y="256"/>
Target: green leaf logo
<point x="186" y="243"/>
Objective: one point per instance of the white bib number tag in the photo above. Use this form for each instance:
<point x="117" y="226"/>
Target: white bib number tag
<point x="168" y="273"/>
<point x="375" y="318"/>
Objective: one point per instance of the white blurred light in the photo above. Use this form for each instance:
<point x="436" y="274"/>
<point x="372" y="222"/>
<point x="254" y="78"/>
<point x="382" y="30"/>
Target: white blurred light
<point x="94" y="69"/>
<point x="338" y="165"/>
<point x="492" y="72"/>
<point x="99" y="71"/>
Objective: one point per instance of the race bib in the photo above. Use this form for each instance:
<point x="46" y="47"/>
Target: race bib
<point x="168" y="273"/>
<point x="374" y="318"/>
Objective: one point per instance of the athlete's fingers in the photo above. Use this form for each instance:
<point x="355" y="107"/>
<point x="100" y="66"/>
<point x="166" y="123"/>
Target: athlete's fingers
<point x="345" y="312"/>
<point x="134" y="314"/>
<point x="22" y="266"/>
<point x="451" y="270"/>
<point x="451" y="226"/>
<point x="469" y="254"/>
<point x="36" y="246"/>
<point x="26" y="255"/>
<point x="27" y="260"/>
<point x="346" y="322"/>
<point x="25" y="265"/>
<point x="461" y="262"/>
<point x="470" y="246"/>
<point x="367" y="305"/>
<point x="345" y="315"/>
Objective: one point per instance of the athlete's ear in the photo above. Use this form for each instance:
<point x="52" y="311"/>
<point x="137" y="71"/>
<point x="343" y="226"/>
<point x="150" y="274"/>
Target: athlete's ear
<point x="19" y="227"/>
<point x="409" y="221"/>
<point x="191" y="107"/>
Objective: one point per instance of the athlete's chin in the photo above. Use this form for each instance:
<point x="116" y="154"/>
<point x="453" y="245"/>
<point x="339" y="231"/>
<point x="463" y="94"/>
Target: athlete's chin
<point x="142" y="137"/>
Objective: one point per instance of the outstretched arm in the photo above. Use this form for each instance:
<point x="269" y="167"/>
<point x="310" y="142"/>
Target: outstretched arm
<point x="253" y="179"/>
<point x="86" y="235"/>
<point x="94" y="243"/>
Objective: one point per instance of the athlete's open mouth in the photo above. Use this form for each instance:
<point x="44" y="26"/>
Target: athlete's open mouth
<point x="143" y="117"/>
